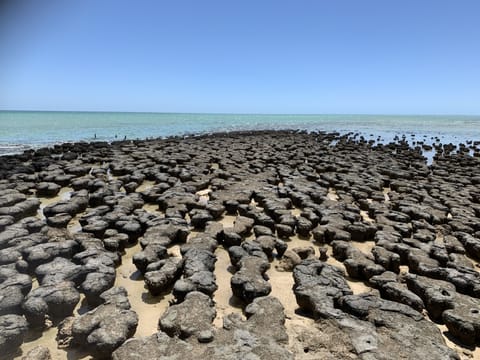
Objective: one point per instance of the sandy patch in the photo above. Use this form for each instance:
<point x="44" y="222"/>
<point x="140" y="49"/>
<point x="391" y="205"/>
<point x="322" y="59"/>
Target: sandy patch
<point x="462" y="350"/>
<point x="366" y="217"/>
<point x="225" y="302"/>
<point x="365" y="247"/>
<point x="332" y="194"/>
<point x="47" y="337"/>
<point x="296" y="211"/>
<point x="149" y="308"/>
<point x="153" y="209"/>
<point x="64" y="194"/>
<point x="227" y="221"/>
<point x="147" y="184"/>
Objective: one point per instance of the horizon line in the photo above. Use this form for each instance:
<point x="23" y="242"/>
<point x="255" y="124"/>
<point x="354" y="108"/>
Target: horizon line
<point x="236" y="113"/>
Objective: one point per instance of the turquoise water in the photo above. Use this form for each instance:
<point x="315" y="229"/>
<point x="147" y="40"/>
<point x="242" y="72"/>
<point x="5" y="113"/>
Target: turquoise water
<point x="24" y="129"/>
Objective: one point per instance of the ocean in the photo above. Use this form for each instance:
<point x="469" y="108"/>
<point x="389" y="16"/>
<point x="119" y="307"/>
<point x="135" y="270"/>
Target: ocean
<point x="21" y="130"/>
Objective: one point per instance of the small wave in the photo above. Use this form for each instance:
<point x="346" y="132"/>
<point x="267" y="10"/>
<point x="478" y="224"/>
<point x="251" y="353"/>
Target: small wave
<point x="12" y="149"/>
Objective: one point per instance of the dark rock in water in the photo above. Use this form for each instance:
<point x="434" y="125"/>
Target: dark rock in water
<point x="236" y="253"/>
<point x="332" y="232"/>
<point x="33" y="224"/>
<point x="43" y="253"/>
<point x="287" y="218"/>
<point x="231" y="206"/>
<point x="59" y="220"/>
<point x="11" y="299"/>
<point x="378" y="329"/>
<point x="99" y="265"/>
<point x="6" y="220"/>
<point x="284" y="231"/>
<point x="12" y="331"/>
<point x="58" y="270"/>
<point x="198" y="266"/>
<point x="13" y="288"/>
<point x="379" y="281"/>
<point x="460" y="313"/>
<point x="463" y="320"/>
<point x="22" y="209"/>
<point x="103" y="329"/>
<point x="165" y="234"/>
<point x="289" y="260"/>
<point x="75" y="205"/>
<point x="323" y="253"/>
<point x="261" y="230"/>
<point x="318" y="286"/>
<point x="96" y="282"/>
<point x="203" y="281"/>
<point x="249" y="281"/>
<point x="192" y="317"/>
<point x="453" y="245"/>
<point x="47" y="189"/>
<point x="115" y="241"/>
<point x="231" y="238"/>
<point x="361" y="231"/>
<point x="201" y="242"/>
<point x="116" y="295"/>
<point x="55" y="300"/>
<point x="358" y="265"/>
<point x="261" y="336"/>
<point x="280" y="246"/>
<point x="267" y="243"/>
<point x="243" y="225"/>
<point x="398" y="292"/>
<point x="200" y="217"/>
<point x="132" y="228"/>
<point x="10" y="197"/>
<point x="152" y="194"/>
<point x="305" y="252"/>
<point x="437" y="295"/>
<point x="97" y="227"/>
<point x="387" y="259"/>
<point x="470" y="243"/>
<point x="150" y="254"/>
<point x="196" y="260"/>
<point x="216" y="210"/>
<point x="159" y="280"/>
<point x="303" y="226"/>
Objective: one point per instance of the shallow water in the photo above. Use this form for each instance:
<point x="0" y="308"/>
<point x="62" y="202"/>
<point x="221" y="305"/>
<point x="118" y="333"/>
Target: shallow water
<point x="20" y="130"/>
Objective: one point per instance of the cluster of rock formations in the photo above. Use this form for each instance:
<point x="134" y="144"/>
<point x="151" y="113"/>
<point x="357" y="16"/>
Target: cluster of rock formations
<point x="334" y="192"/>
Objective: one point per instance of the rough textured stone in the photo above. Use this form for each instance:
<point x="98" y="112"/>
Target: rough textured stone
<point x="12" y="331"/>
<point x="261" y="336"/>
<point x="103" y="329"/>
<point x="192" y="317"/>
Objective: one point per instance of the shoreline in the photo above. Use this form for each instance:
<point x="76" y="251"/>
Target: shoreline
<point x="47" y="129"/>
<point x="335" y="228"/>
<point x="427" y="143"/>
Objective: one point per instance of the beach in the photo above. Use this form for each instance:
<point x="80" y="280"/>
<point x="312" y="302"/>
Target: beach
<point x="253" y="244"/>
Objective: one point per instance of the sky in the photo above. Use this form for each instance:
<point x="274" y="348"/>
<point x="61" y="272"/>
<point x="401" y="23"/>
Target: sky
<point x="241" y="56"/>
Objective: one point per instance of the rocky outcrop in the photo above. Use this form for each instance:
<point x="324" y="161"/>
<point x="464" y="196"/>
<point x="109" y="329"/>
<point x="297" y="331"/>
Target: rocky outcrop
<point x="261" y="336"/>
<point x="12" y="331"/>
<point x="376" y="210"/>
<point x="103" y="329"/>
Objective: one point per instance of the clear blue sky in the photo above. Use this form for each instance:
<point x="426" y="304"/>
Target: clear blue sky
<point x="244" y="56"/>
